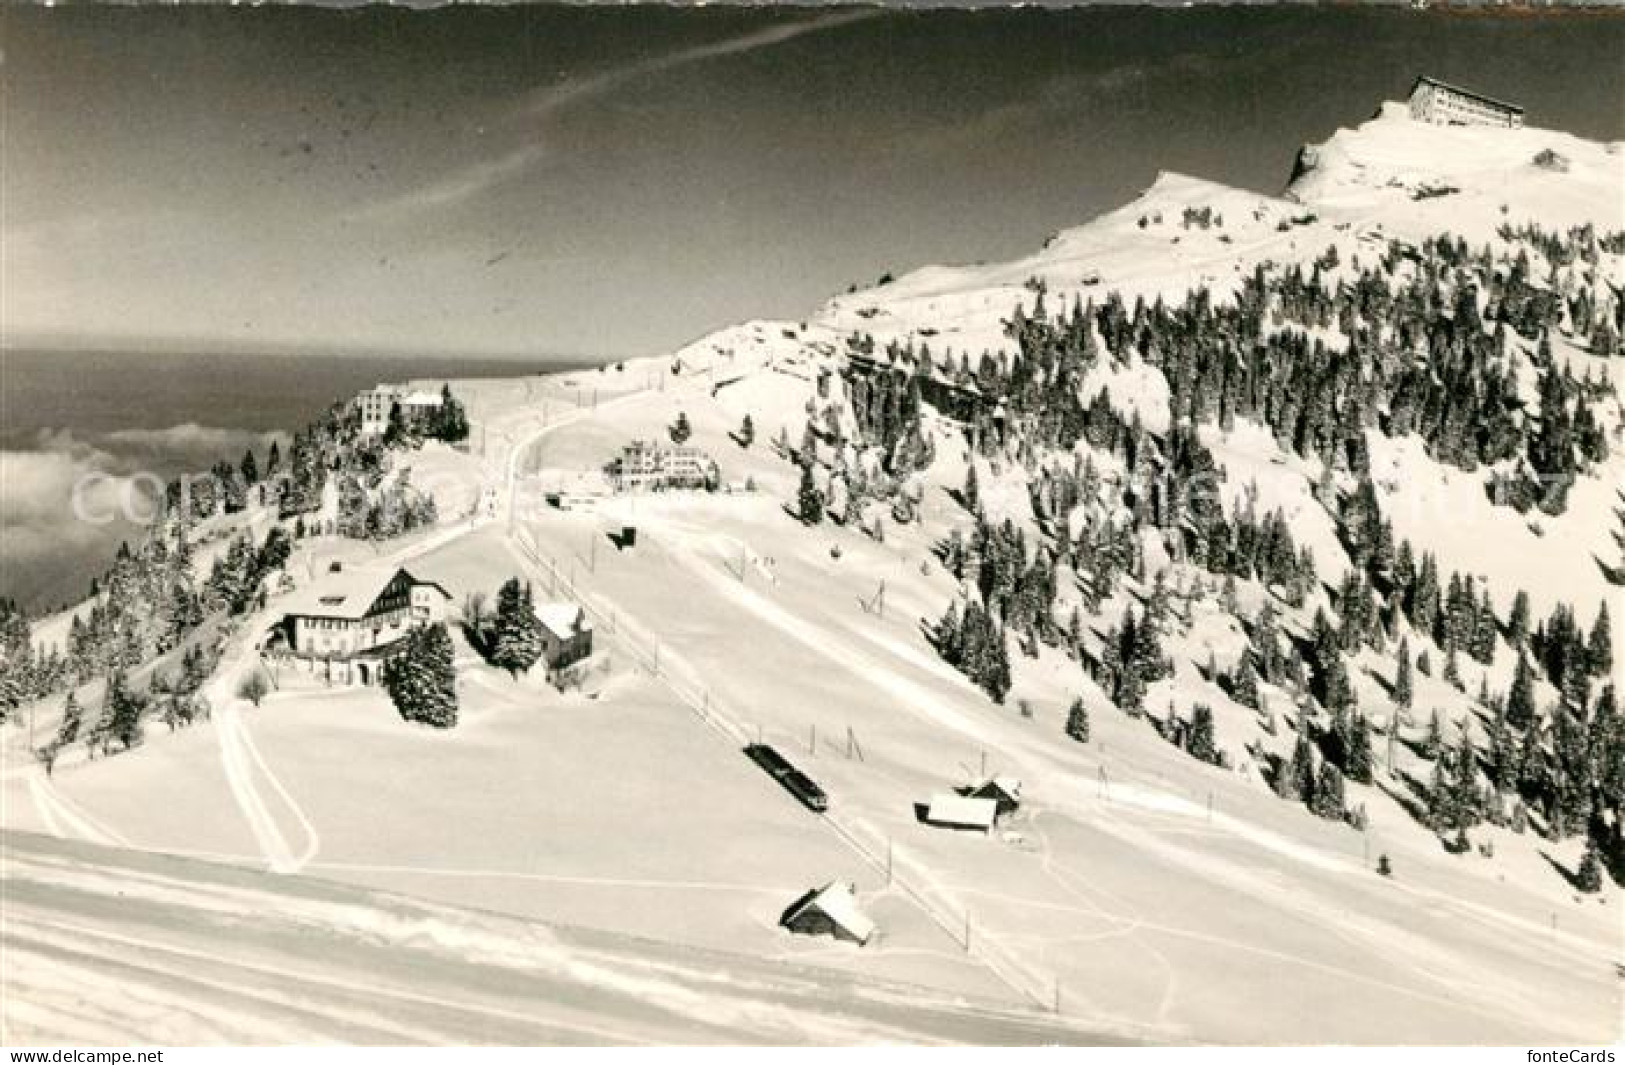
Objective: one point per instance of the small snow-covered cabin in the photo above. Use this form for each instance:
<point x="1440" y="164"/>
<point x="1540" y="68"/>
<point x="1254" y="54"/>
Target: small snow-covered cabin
<point x="1004" y="791"/>
<point x="962" y="812"/>
<point x="831" y="910"/>
<point x="566" y="634"/>
<point x="1449" y="105"/>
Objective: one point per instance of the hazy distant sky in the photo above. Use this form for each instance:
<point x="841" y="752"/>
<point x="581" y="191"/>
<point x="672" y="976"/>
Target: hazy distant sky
<point x="616" y="181"/>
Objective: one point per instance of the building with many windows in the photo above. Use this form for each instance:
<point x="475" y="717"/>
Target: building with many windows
<point x="375" y="404"/>
<point x="647" y="466"/>
<point x="1447" y="105"/>
<point x="347" y="622"/>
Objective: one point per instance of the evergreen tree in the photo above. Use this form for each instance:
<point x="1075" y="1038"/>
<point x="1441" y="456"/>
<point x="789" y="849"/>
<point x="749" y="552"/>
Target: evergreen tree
<point x="1077" y="721"/>
<point x="1359" y="760"/>
<point x="1404" y="686"/>
<point x="121" y="714"/>
<point x="809" y="500"/>
<point x="421" y="679"/>
<point x="73" y="716"/>
<point x="249" y="468"/>
<point x="274" y="552"/>
<point x="1518" y="621"/>
<point x="397" y="431"/>
<point x="1298" y="775"/>
<point x="1200" y="742"/>
<point x="1468" y="801"/>
<point x="747" y="432"/>
<point x="1327" y="800"/>
<point x="1600" y="646"/>
<point x="1520" y="711"/>
<point x="450" y="422"/>
<point x="972" y="494"/>
<point x="1244" y="683"/>
<point x="516" y="641"/>
<point x="996" y="678"/>
<point x="1588" y="878"/>
<point x="681" y="430"/>
<point x="1433" y="743"/>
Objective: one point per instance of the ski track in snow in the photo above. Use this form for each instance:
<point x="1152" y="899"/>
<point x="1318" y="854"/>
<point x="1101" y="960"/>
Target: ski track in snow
<point x="65" y="818"/>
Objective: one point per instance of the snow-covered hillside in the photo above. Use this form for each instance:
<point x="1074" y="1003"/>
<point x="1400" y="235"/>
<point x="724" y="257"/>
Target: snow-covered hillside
<point x="1160" y="881"/>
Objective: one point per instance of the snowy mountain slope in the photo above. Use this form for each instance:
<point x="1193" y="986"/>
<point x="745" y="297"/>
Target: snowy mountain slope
<point x="1154" y="895"/>
<point x="1382" y="165"/>
<point x="1355" y="193"/>
<point x="1136" y="876"/>
<point x="119" y="947"/>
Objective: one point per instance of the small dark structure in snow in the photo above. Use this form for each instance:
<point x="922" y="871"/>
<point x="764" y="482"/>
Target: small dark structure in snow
<point x="962" y="812"/>
<point x="1004" y="791"/>
<point x="831" y="910"/>
<point x="791" y="779"/>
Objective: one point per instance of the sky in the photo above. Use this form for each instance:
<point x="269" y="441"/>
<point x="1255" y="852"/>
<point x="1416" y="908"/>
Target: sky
<point x="600" y="183"/>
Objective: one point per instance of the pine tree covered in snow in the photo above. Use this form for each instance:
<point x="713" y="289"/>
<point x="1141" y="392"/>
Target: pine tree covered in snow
<point x="1077" y="721"/>
<point x="809" y="500"/>
<point x="421" y="679"/>
<point x="516" y="632"/>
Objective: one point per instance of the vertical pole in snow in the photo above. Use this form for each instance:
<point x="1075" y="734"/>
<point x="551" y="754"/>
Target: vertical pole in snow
<point x="888" y="861"/>
<point x="967" y="931"/>
<point x="1210" y="807"/>
<point x="1057" y="994"/>
<point x="984" y="765"/>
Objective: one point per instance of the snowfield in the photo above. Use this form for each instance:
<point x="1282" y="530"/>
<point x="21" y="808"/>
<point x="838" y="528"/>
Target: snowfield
<point x="605" y="866"/>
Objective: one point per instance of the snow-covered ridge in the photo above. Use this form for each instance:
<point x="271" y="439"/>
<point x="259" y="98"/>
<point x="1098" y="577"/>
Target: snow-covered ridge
<point x="1392" y="176"/>
<point x="1478" y="175"/>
